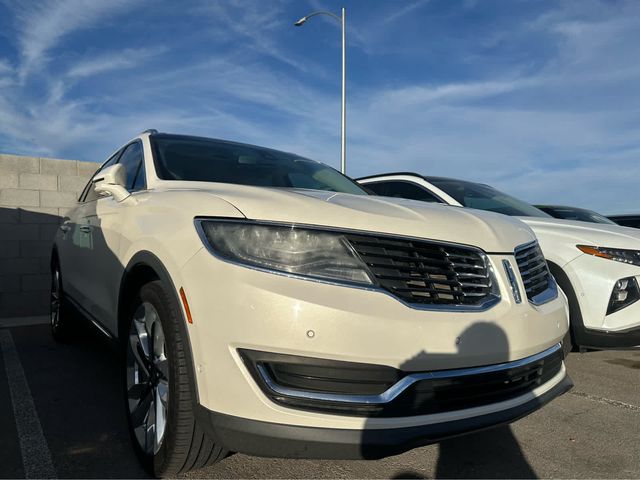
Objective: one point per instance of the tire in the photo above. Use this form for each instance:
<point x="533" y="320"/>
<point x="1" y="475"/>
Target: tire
<point x="159" y="395"/>
<point x="61" y="317"/>
<point x="567" y="344"/>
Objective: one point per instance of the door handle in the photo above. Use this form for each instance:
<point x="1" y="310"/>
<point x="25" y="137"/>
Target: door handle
<point x="85" y="228"/>
<point x="64" y="228"/>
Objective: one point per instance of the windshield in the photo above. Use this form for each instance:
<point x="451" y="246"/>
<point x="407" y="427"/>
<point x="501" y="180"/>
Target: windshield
<point x="484" y="197"/>
<point x="579" y="214"/>
<point x="205" y="160"/>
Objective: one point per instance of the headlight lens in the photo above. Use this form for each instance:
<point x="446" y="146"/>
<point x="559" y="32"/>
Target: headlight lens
<point x="299" y="251"/>
<point x="618" y="254"/>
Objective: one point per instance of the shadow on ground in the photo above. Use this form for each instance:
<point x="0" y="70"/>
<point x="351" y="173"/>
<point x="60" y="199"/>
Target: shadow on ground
<point x="78" y="396"/>
<point x="493" y="453"/>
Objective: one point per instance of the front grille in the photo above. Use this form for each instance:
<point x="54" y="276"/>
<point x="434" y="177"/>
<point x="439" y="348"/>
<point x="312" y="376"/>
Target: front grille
<point x="426" y="273"/>
<point x="533" y="269"/>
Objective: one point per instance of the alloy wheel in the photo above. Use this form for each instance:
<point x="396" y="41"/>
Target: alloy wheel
<point x="147" y="378"/>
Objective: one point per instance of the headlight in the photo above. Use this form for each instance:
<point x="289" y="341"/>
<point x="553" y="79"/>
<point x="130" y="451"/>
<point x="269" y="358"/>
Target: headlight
<point x="287" y="249"/>
<point x="618" y="254"/>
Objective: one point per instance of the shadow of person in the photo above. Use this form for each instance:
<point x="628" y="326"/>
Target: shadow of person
<point x="491" y="453"/>
<point x="408" y="475"/>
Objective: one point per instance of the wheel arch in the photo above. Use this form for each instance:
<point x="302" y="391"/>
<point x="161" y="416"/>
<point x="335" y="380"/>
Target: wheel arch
<point x="143" y="267"/>
<point x="576" y="324"/>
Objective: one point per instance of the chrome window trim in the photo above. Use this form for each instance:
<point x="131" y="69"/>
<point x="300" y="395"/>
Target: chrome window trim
<point x="491" y="300"/>
<point x="401" y="385"/>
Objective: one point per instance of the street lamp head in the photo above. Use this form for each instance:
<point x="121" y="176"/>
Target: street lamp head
<point x="300" y="22"/>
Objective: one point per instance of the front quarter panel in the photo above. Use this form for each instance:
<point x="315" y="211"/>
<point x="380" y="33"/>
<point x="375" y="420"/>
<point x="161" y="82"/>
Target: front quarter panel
<point x="162" y="223"/>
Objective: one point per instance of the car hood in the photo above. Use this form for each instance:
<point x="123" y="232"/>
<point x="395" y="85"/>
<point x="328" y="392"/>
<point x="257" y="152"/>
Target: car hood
<point x="488" y="231"/>
<point x="594" y="234"/>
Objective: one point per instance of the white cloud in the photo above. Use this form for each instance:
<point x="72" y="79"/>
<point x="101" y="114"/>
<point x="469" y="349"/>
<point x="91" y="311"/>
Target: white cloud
<point x="401" y="12"/>
<point x="5" y="67"/>
<point x="127" y="58"/>
<point x="255" y="23"/>
<point x="42" y="24"/>
<point x="419" y="95"/>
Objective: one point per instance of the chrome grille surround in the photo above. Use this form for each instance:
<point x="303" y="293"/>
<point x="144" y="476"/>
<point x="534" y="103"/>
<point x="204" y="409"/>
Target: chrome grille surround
<point x="539" y="284"/>
<point x="428" y="274"/>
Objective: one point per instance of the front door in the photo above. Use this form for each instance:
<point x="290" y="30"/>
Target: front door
<point x="101" y="266"/>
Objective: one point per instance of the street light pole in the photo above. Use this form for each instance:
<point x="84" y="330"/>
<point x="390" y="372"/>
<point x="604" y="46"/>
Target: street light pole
<point x="343" y="139"/>
<point x="343" y="116"/>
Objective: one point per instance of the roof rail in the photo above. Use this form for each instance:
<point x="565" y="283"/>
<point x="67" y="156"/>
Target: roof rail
<point x="150" y="130"/>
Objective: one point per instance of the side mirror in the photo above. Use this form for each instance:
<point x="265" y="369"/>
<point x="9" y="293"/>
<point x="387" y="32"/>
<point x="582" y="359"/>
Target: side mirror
<point x="112" y="181"/>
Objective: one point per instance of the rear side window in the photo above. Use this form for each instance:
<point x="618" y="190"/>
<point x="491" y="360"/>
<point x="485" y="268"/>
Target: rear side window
<point x="132" y="160"/>
<point x="402" y="189"/>
<point x="633" y="222"/>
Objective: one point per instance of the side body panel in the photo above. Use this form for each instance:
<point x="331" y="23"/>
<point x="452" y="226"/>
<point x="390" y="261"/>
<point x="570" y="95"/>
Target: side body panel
<point x="70" y="241"/>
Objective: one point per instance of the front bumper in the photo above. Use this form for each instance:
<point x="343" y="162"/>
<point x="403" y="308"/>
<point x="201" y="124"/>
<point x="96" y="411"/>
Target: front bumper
<point x="593" y="280"/>
<point x="236" y="308"/>
<point x="290" y="441"/>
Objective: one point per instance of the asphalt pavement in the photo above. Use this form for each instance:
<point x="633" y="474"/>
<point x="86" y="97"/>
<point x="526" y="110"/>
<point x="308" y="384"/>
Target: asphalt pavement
<point x="61" y="414"/>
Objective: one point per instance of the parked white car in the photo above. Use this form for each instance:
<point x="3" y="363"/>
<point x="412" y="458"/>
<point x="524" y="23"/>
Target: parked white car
<point x="267" y="304"/>
<point x="596" y="265"/>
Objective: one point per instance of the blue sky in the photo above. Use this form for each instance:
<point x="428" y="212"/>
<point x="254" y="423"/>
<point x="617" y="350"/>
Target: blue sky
<point x="538" y="98"/>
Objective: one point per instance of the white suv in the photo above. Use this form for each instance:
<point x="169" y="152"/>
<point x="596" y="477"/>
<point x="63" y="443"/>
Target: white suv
<point x="266" y="304"/>
<point x="595" y="264"/>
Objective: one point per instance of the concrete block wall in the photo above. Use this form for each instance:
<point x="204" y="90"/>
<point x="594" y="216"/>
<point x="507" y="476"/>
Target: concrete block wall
<point x="35" y="194"/>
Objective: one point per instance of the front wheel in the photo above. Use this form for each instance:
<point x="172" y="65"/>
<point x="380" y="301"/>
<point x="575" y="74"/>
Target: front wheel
<point x="159" y="396"/>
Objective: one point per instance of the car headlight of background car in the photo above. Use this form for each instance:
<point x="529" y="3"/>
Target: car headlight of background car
<point x="626" y="291"/>
<point x="618" y="254"/>
<point x="300" y="251"/>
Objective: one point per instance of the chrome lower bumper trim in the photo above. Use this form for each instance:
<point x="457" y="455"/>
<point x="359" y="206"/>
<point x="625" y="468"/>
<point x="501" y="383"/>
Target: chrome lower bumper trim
<point x="396" y="389"/>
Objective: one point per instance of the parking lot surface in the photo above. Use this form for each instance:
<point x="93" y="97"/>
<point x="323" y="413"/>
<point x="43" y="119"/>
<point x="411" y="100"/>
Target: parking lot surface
<point x="61" y="414"/>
